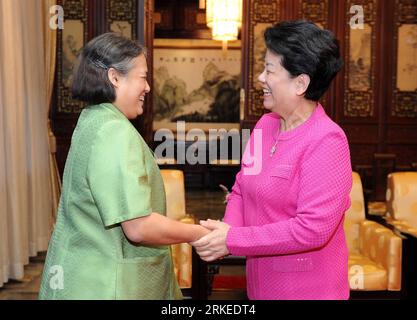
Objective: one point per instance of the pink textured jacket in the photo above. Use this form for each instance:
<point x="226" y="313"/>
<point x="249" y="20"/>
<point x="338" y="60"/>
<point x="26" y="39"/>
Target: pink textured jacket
<point x="288" y="219"/>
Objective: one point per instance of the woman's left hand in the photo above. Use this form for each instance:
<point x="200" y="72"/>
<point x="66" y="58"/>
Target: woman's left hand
<point x="213" y="245"/>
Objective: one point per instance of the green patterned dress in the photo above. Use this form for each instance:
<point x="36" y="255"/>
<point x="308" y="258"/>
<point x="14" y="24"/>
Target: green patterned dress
<point x="110" y="176"/>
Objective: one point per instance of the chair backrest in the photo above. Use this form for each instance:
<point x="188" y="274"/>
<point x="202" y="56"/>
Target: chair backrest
<point x="401" y="197"/>
<point x="175" y="193"/>
<point x="383" y="164"/>
<point x="355" y="214"/>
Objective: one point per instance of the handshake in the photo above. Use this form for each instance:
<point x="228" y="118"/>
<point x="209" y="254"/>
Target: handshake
<point x="212" y="246"/>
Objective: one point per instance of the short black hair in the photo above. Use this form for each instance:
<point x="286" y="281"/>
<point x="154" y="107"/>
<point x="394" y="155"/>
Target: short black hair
<point x="90" y="82"/>
<point x="306" y="49"/>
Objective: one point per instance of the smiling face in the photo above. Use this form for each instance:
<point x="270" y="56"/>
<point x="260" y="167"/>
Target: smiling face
<point x="279" y="88"/>
<point x="131" y="88"/>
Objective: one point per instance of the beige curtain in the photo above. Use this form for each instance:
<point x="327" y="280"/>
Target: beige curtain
<point x="49" y="46"/>
<point x="26" y="205"/>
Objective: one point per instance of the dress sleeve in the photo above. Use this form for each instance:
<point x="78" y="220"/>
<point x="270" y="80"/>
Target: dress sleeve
<point x="234" y="214"/>
<point x="117" y="175"/>
<point x="326" y="181"/>
<point x="234" y="209"/>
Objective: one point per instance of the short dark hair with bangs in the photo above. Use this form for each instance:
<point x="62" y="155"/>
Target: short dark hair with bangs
<point x="306" y="49"/>
<point x="90" y="82"/>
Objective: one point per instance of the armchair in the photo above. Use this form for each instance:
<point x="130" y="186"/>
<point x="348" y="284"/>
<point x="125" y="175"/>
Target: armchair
<point x="401" y="203"/>
<point x="375" y="252"/>
<point x="175" y="200"/>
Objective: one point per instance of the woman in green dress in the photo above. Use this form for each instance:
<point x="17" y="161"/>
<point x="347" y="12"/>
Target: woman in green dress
<point x="111" y="239"/>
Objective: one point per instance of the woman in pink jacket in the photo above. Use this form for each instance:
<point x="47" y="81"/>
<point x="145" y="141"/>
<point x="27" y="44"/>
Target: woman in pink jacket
<point x="286" y="209"/>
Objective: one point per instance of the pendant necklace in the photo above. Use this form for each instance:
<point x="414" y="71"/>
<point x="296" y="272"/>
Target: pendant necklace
<point x="273" y="149"/>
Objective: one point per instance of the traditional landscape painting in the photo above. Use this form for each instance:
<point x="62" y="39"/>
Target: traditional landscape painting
<point x="197" y="82"/>
<point x="360" y="59"/>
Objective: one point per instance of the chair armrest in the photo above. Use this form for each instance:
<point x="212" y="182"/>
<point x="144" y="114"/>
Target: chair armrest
<point x="403" y="226"/>
<point x="382" y="246"/>
<point x="182" y="257"/>
<point x="188" y="218"/>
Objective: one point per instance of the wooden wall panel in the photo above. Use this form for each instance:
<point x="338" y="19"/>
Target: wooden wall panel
<point x="180" y="19"/>
<point x="358" y="152"/>
<point x="401" y="96"/>
<point x="70" y="40"/>
<point x="360" y="55"/>
<point x="121" y="17"/>
<point x="258" y="15"/>
<point x="145" y="35"/>
<point x="362" y="134"/>
<point x="406" y="154"/>
<point x="65" y="110"/>
<point x="359" y="85"/>
<point x="404" y="54"/>
<point x="319" y="12"/>
<point x="401" y="134"/>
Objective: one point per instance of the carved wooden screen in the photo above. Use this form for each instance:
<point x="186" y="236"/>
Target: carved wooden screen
<point x="401" y="99"/>
<point x="318" y="11"/>
<point x="70" y="40"/>
<point x="359" y="111"/>
<point x="404" y="103"/>
<point x="258" y="15"/>
<point x="122" y="17"/>
<point x="360" y="62"/>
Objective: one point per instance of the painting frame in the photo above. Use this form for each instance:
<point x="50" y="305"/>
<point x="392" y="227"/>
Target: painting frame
<point x="191" y="45"/>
